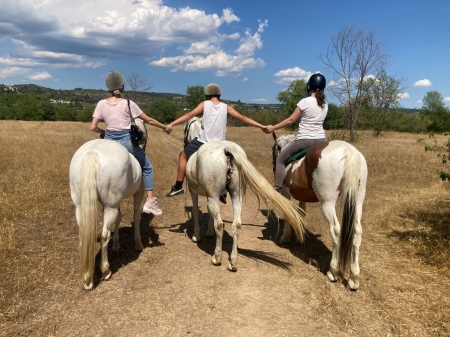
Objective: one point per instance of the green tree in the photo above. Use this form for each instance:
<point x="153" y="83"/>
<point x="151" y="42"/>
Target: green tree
<point x="335" y="118"/>
<point x="432" y="102"/>
<point x="64" y="113"/>
<point x="28" y="108"/>
<point x="85" y="115"/>
<point x="163" y="111"/>
<point x="434" y="112"/>
<point x="194" y="96"/>
<point x="290" y="97"/>
<point x="353" y="55"/>
<point x="381" y="96"/>
<point x="49" y="110"/>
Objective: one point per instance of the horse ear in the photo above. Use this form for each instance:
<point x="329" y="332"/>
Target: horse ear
<point x="274" y="136"/>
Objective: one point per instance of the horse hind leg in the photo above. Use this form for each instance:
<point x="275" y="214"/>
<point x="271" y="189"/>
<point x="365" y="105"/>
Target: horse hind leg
<point x="137" y="200"/>
<point x="329" y="212"/>
<point x="353" y="281"/>
<point x="236" y="199"/>
<point x="111" y="218"/>
<point x="214" y="211"/>
<point x="196" y="236"/>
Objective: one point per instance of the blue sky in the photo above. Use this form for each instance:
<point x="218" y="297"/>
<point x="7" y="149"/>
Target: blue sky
<point x="252" y="49"/>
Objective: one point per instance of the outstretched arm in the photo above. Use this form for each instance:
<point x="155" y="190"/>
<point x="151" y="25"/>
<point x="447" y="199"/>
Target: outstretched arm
<point x="244" y="119"/>
<point x="288" y="121"/>
<point x="152" y="121"/>
<point x="198" y="110"/>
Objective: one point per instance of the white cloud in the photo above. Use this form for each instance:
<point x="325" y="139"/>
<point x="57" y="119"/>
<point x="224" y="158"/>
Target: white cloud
<point x="245" y="79"/>
<point x="85" y="33"/>
<point x="44" y="75"/>
<point x="228" y="16"/>
<point x="404" y="95"/>
<point x="446" y="99"/>
<point x="423" y="83"/>
<point x="288" y="75"/>
<point x="419" y="101"/>
<point x="11" y="72"/>
<point x="262" y="25"/>
<point x="259" y="100"/>
<point x="215" y="58"/>
<point x="226" y="65"/>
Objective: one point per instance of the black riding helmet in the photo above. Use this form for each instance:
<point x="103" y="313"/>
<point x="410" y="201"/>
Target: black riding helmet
<point x="316" y="81"/>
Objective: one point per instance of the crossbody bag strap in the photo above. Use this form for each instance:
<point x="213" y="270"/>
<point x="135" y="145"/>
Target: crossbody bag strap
<point x="129" y="109"/>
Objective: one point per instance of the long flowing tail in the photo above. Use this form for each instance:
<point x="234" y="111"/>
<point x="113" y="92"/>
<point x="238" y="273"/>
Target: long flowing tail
<point x="349" y="192"/>
<point x="264" y="191"/>
<point x="88" y="216"/>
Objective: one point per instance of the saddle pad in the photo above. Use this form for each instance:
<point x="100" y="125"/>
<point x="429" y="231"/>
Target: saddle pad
<point x="298" y="155"/>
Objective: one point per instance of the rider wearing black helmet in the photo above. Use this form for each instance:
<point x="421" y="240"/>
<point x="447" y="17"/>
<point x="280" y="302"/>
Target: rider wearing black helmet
<point x="312" y="111"/>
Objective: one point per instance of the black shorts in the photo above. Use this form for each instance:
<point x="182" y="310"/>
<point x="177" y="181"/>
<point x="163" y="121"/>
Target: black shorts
<point x="192" y="147"/>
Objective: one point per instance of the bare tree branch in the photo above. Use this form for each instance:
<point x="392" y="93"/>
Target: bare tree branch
<point x="353" y="55"/>
<point x="137" y="83"/>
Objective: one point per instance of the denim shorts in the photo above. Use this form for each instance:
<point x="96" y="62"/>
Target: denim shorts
<point x="192" y="147"/>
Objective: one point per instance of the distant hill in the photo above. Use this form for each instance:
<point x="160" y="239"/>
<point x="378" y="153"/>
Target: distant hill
<point x="92" y="96"/>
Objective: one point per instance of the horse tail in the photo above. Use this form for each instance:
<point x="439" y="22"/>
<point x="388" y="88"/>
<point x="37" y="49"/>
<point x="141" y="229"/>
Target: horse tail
<point x="349" y="192"/>
<point x="264" y="191"/>
<point x="88" y="216"/>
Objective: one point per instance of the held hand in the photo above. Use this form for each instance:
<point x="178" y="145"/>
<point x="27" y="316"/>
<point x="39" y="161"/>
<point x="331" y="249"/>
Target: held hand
<point x="168" y="129"/>
<point x="270" y="129"/>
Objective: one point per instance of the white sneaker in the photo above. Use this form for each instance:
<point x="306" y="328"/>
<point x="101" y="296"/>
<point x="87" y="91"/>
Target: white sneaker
<point x="151" y="206"/>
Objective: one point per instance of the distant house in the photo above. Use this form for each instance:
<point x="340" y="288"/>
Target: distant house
<point x="10" y="88"/>
<point x="59" y="101"/>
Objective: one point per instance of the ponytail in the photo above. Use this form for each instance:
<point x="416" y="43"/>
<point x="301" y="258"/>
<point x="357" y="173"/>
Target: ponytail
<point x="320" y="96"/>
<point x="116" y="92"/>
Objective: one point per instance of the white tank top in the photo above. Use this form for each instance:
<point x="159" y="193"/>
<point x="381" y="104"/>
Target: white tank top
<point x="214" y="122"/>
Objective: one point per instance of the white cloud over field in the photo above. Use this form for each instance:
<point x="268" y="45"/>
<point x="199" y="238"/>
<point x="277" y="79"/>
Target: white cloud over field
<point x="85" y="33"/>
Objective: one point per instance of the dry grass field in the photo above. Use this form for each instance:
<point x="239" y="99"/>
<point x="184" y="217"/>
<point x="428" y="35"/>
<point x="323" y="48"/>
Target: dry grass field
<point x="171" y="289"/>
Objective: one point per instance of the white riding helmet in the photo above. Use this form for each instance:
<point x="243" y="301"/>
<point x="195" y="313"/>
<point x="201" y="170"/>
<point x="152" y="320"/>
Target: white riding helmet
<point x="213" y="89"/>
<point x="114" y="80"/>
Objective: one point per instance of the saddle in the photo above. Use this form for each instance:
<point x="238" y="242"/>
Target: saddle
<point x="298" y="155"/>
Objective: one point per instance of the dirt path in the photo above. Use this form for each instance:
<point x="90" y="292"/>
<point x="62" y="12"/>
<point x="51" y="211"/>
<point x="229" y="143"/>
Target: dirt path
<point x="171" y="289"/>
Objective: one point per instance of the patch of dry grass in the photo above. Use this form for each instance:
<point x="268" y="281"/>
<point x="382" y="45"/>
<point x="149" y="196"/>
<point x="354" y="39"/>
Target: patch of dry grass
<point x="405" y="251"/>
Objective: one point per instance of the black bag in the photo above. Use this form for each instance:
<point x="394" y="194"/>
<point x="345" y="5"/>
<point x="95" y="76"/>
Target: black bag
<point x="136" y="134"/>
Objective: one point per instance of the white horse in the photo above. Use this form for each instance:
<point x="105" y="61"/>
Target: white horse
<point x="103" y="171"/>
<point x="223" y="166"/>
<point x="191" y="129"/>
<point x="328" y="170"/>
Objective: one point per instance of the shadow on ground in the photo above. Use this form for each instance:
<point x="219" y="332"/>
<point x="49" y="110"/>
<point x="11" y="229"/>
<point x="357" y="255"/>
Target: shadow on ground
<point x="208" y="244"/>
<point x="127" y="253"/>
<point x="312" y="251"/>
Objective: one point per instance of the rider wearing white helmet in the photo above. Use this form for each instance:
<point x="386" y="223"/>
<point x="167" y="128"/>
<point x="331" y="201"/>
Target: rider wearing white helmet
<point x="214" y="124"/>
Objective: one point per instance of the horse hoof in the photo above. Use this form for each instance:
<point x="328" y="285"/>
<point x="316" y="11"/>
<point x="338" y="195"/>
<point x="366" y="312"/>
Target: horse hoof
<point x="352" y="286"/>
<point x="210" y="234"/>
<point x="106" y="275"/>
<point x="215" y="262"/>
<point x="139" y="247"/>
<point x="195" y="238"/>
<point x="88" y="286"/>
<point x="329" y="277"/>
<point x="232" y="268"/>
